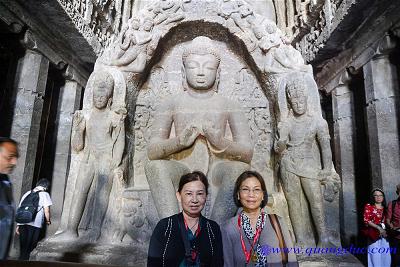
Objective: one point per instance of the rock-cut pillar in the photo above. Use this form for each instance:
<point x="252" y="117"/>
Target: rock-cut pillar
<point x="382" y="108"/>
<point x="30" y="86"/>
<point x="344" y="147"/>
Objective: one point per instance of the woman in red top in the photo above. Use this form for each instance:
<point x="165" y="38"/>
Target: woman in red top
<point x="374" y="218"/>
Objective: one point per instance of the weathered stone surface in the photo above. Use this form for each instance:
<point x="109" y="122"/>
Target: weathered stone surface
<point x="344" y="140"/>
<point x="306" y="164"/>
<point x="201" y="119"/>
<point x="31" y="81"/>
<point x="145" y="61"/>
<point x="352" y="40"/>
<point x="114" y="254"/>
<point x="99" y="136"/>
<point x="382" y="96"/>
<point x="70" y="96"/>
<point x="327" y="259"/>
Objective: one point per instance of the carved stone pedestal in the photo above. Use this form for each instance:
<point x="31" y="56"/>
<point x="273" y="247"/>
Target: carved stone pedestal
<point x="127" y="247"/>
<point x="97" y="254"/>
<point x="329" y="260"/>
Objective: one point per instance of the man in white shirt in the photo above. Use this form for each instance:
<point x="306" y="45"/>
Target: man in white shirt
<point x="29" y="232"/>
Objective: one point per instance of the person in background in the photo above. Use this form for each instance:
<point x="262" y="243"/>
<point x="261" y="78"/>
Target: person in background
<point x="374" y="220"/>
<point x="249" y="236"/>
<point x="187" y="238"/>
<point x="29" y="232"/>
<point x="393" y="222"/>
<point x="8" y="161"/>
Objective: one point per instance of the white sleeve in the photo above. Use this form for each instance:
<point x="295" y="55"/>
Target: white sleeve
<point x="45" y="200"/>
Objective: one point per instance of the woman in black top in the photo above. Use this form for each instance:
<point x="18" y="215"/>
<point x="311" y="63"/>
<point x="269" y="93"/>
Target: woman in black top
<point x="187" y="238"/>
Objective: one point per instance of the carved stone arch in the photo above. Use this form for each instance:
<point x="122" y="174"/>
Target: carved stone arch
<point x="240" y="78"/>
<point x="256" y="63"/>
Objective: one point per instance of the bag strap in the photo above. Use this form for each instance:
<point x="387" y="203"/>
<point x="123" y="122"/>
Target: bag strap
<point x="278" y="230"/>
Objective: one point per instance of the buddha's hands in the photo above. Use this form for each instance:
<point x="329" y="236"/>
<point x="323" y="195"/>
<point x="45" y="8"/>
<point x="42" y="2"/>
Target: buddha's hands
<point x="78" y="122"/>
<point x="213" y="135"/>
<point x="188" y="136"/>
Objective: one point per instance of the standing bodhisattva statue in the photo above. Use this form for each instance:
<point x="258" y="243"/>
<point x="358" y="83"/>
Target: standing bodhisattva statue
<point x="102" y="139"/>
<point x="200" y="117"/>
<point x="303" y="145"/>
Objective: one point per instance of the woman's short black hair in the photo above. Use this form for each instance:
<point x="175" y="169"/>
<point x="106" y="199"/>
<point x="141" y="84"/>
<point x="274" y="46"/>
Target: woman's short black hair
<point x="191" y="177"/>
<point x="245" y="175"/>
<point x="43" y="183"/>
<point x="373" y="199"/>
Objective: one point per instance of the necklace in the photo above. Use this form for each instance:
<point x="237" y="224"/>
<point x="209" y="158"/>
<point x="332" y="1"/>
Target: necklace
<point x="195" y="224"/>
<point x="191" y="228"/>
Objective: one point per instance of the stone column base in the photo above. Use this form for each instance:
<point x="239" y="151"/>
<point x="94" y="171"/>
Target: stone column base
<point x="329" y="260"/>
<point x="118" y="254"/>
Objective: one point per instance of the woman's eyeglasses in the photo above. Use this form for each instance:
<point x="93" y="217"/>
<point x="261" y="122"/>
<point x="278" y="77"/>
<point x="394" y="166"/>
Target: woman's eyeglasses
<point x="247" y="191"/>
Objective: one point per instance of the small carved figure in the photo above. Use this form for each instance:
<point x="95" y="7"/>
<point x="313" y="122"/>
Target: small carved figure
<point x="240" y="13"/>
<point x="285" y="58"/>
<point x="268" y="35"/>
<point x="166" y="11"/>
<point x="303" y="144"/>
<point x="102" y="139"/>
<point x="200" y="117"/>
<point x="128" y="34"/>
<point x="133" y="41"/>
<point x="264" y="8"/>
<point x="241" y="17"/>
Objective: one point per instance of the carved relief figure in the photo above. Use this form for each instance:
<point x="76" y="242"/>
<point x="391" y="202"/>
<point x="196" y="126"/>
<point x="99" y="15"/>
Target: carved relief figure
<point x="269" y="36"/>
<point x="303" y="144"/>
<point x="200" y="117"/>
<point x="101" y="137"/>
<point x="280" y="57"/>
<point x="264" y="8"/>
<point x="239" y="16"/>
<point x="131" y="52"/>
<point x="166" y="11"/>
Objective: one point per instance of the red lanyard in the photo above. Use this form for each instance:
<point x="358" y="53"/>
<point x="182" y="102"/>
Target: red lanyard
<point x="247" y="254"/>
<point x="198" y="227"/>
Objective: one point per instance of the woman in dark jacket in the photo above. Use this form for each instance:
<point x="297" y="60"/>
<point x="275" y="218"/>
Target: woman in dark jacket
<point x="187" y="238"/>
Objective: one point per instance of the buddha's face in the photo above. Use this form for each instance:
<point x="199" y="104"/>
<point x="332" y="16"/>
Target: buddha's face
<point x="298" y="101"/>
<point x="101" y="94"/>
<point x="201" y="71"/>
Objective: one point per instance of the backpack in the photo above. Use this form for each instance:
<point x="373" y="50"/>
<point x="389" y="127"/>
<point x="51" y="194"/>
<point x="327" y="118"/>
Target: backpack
<point x="26" y="213"/>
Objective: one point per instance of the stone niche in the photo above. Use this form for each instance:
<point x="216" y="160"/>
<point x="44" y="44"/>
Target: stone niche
<point x="145" y="64"/>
